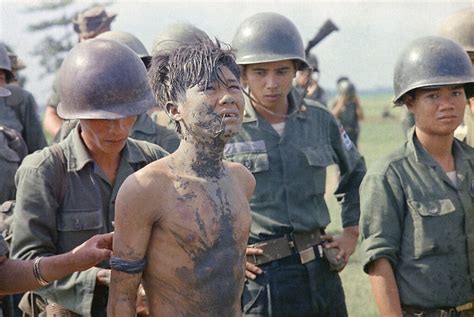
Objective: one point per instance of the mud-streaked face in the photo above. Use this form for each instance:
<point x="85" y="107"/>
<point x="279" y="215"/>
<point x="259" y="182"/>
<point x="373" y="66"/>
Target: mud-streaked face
<point x="215" y="110"/>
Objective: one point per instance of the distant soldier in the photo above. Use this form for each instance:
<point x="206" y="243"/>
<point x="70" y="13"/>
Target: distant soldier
<point x="417" y="204"/>
<point x="314" y="90"/>
<point x="182" y="222"/>
<point x="17" y="65"/>
<point x="292" y="264"/>
<point x="171" y="37"/>
<point x="346" y="108"/>
<point x="18" y="111"/>
<point x="144" y="128"/>
<point x="459" y="27"/>
<point x="87" y="24"/>
<point x="67" y="192"/>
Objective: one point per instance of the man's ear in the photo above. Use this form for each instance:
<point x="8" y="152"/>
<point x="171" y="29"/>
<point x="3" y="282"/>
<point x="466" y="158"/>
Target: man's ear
<point x="409" y="101"/>
<point x="173" y="111"/>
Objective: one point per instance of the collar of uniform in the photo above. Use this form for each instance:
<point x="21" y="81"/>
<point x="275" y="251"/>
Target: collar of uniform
<point x="250" y="115"/>
<point x="422" y="156"/>
<point x="414" y="146"/>
<point x="76" y="153"/>
<point x="133" y="153"/>
<point x="144" y="124"/>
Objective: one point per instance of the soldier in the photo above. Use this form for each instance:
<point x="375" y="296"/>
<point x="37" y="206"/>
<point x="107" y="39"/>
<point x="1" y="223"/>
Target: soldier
<point x="87" y="24"/>
<point x="144" y="128"/>
<point x="183" y="221"/>
<point x="417" y="204"/>
<point x="17" y="65"/>
<point x="346" y="108"/>
<point x="18" y="111"/>
<point x="287" y="147"/>
<point x="314" y="90"/>
<point x="66" y="192"/>
<point x="170" y="38"/>
<point x="459" y="27"/>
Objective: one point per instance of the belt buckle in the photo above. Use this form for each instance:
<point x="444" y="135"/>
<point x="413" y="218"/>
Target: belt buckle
<point x="451" y="312"/>
<point x="307" y="255"/>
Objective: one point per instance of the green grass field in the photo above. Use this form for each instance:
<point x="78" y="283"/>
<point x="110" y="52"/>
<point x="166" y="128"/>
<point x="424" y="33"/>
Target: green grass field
<point x="379" y="136"/>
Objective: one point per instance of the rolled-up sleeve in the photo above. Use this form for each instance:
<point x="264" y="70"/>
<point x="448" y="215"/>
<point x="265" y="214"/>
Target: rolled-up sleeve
<point x="381" y="217"/>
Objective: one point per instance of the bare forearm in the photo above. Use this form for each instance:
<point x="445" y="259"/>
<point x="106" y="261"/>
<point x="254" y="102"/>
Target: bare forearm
<point x="123" y="294"/>
<point x="384" y="288"/>
<point x="16" y="276"/>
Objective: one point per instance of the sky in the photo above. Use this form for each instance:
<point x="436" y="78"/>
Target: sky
<point x="370" y="37"/>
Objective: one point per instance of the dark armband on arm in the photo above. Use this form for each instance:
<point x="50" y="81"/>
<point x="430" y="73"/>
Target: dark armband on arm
<point x="126" y="266"/>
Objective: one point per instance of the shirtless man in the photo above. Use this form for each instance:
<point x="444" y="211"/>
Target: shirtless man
<point x="182" y="223"/>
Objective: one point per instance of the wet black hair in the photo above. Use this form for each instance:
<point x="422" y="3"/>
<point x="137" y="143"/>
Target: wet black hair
<point x="198" y="63"/>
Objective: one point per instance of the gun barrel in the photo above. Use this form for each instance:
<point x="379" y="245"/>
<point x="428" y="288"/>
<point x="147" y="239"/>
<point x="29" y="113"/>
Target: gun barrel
<point x="327" y="28"/>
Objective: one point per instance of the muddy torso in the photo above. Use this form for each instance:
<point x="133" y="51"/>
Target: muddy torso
<point x="196" y="253"/>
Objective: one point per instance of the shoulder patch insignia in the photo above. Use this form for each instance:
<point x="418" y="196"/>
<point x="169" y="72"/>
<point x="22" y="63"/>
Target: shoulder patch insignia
<point x="346" y="141"/>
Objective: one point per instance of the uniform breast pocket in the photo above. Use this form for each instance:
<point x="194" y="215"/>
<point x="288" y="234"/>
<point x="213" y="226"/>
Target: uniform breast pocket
<point x="318" y="158"/>
<point x="431" y="226"/>
<point x="254" y="162"/>
<point x="76" y="226"/>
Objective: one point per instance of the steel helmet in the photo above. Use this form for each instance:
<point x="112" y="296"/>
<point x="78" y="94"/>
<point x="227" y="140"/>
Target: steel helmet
<point x="312" y="61"/>
<point x="103" y="79"/>
<point x="268" y="37"/>
<point x="459" y="27"/>
<point x="177" y="34"/>
<point x="129" y="40"/>
<point x="432" y="61"/>
<point x="5" y="63"/>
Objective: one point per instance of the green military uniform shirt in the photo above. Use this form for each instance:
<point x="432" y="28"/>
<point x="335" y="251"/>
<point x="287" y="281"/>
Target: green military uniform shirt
<point x="144" y="129"/>
<point x="18" y="111"/>
<point x="291" y="170"/>
<point x="413" y="215"/>
<point x="59" y="207"/>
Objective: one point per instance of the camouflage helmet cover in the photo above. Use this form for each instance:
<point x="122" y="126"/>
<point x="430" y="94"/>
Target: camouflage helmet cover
<point x="268" y="37"/>
<point x="432" y="61"/>
<point x="103" y="79"/>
